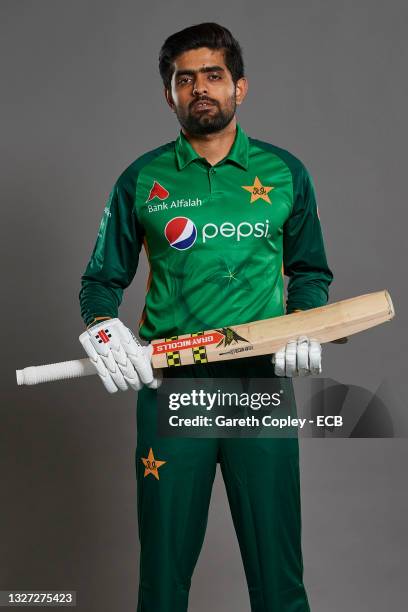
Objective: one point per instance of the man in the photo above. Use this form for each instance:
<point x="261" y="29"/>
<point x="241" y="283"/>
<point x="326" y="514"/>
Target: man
<point x="222" y="218"/>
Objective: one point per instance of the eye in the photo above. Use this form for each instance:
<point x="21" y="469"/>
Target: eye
<point x="214" y="77"/>
<point x="183" y="80"/>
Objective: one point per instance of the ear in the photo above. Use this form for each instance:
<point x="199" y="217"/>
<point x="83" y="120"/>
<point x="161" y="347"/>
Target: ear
<point x="241" y="89"/>
<point x="169" y="99"/>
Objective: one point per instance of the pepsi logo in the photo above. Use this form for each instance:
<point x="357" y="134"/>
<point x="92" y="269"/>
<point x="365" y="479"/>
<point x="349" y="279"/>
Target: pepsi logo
<point x="181" y="233"/>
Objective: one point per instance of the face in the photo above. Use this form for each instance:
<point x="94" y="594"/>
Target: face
<point x="203" y="94"/>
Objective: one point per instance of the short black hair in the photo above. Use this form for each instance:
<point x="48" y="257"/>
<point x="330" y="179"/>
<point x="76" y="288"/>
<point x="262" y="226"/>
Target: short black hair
<point x="209" y="35"/>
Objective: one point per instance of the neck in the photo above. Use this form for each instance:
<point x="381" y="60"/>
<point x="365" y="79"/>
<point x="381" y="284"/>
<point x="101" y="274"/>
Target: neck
<point x="213" y="147"/>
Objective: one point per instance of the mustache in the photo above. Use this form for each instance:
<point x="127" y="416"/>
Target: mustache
<point x="203" y="99"/>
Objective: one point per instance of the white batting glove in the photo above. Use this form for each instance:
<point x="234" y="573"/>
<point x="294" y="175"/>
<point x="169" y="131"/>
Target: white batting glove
<point x="119" y="358"/>
<point x="299" y="357"/>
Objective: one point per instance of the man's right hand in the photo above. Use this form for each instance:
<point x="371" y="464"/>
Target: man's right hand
<point x="118" y="356"/>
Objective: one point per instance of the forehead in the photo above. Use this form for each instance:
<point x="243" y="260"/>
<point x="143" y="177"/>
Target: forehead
<point x="194" y="59"/>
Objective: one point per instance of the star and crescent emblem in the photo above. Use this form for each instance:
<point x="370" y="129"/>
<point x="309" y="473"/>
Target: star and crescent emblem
<point x="258" y="191"/>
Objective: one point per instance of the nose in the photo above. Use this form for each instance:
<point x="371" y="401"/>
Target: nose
<point x="200" y="86"/>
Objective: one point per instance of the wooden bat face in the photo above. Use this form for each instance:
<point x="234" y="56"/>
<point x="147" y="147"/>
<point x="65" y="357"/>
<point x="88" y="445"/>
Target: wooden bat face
<point x="325" y="324"/>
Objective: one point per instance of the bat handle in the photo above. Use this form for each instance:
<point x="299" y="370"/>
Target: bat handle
<point x="55" y="371"/>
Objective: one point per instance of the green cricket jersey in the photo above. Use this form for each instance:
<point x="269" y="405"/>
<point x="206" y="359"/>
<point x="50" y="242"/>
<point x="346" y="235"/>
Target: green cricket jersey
<point x="218" y="239"/>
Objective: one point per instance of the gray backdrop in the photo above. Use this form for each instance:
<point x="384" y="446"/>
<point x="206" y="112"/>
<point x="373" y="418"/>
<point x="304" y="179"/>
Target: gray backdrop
<point x="81" y="98"/>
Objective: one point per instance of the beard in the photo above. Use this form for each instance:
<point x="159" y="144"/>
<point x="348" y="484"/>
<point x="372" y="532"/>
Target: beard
<point x="199" y="123"/>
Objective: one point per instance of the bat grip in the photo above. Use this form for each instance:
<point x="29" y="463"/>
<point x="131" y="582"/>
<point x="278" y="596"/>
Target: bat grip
<point x="55" y="371"/>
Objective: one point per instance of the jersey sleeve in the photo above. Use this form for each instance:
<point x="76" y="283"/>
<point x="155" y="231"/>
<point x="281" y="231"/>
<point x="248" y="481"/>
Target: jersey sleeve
<point x="115" y="256"/>
<point x="304" y="257"/>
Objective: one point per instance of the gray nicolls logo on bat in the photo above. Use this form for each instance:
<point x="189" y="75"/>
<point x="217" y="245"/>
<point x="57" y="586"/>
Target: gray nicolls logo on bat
<point x="230" y="336"/>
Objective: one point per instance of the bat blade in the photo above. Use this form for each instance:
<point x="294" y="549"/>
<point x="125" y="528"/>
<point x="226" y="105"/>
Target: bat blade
<point x="325" y="324"/>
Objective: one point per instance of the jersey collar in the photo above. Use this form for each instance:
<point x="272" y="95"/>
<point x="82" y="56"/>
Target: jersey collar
<point x="238" y="154"/>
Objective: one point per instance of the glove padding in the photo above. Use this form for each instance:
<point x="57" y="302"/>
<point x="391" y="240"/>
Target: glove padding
<point x="299" y="357"/>
<point x="119" y="358"/>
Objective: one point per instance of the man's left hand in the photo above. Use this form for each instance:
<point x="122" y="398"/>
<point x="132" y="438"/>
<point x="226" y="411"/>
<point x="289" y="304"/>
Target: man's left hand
<point x="300" y="357"/>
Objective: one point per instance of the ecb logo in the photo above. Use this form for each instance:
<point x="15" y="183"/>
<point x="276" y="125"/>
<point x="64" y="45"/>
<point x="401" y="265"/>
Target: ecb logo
<point x="181" y="233"/>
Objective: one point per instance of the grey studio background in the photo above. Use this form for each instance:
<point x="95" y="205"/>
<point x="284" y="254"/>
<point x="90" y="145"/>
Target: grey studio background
<point x="81" y="99"/>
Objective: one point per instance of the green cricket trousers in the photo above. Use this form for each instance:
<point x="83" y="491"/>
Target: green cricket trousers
<point x="174" y="482"/>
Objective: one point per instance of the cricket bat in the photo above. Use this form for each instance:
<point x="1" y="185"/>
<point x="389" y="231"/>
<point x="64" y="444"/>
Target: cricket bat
<point x="325" y="324"/>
